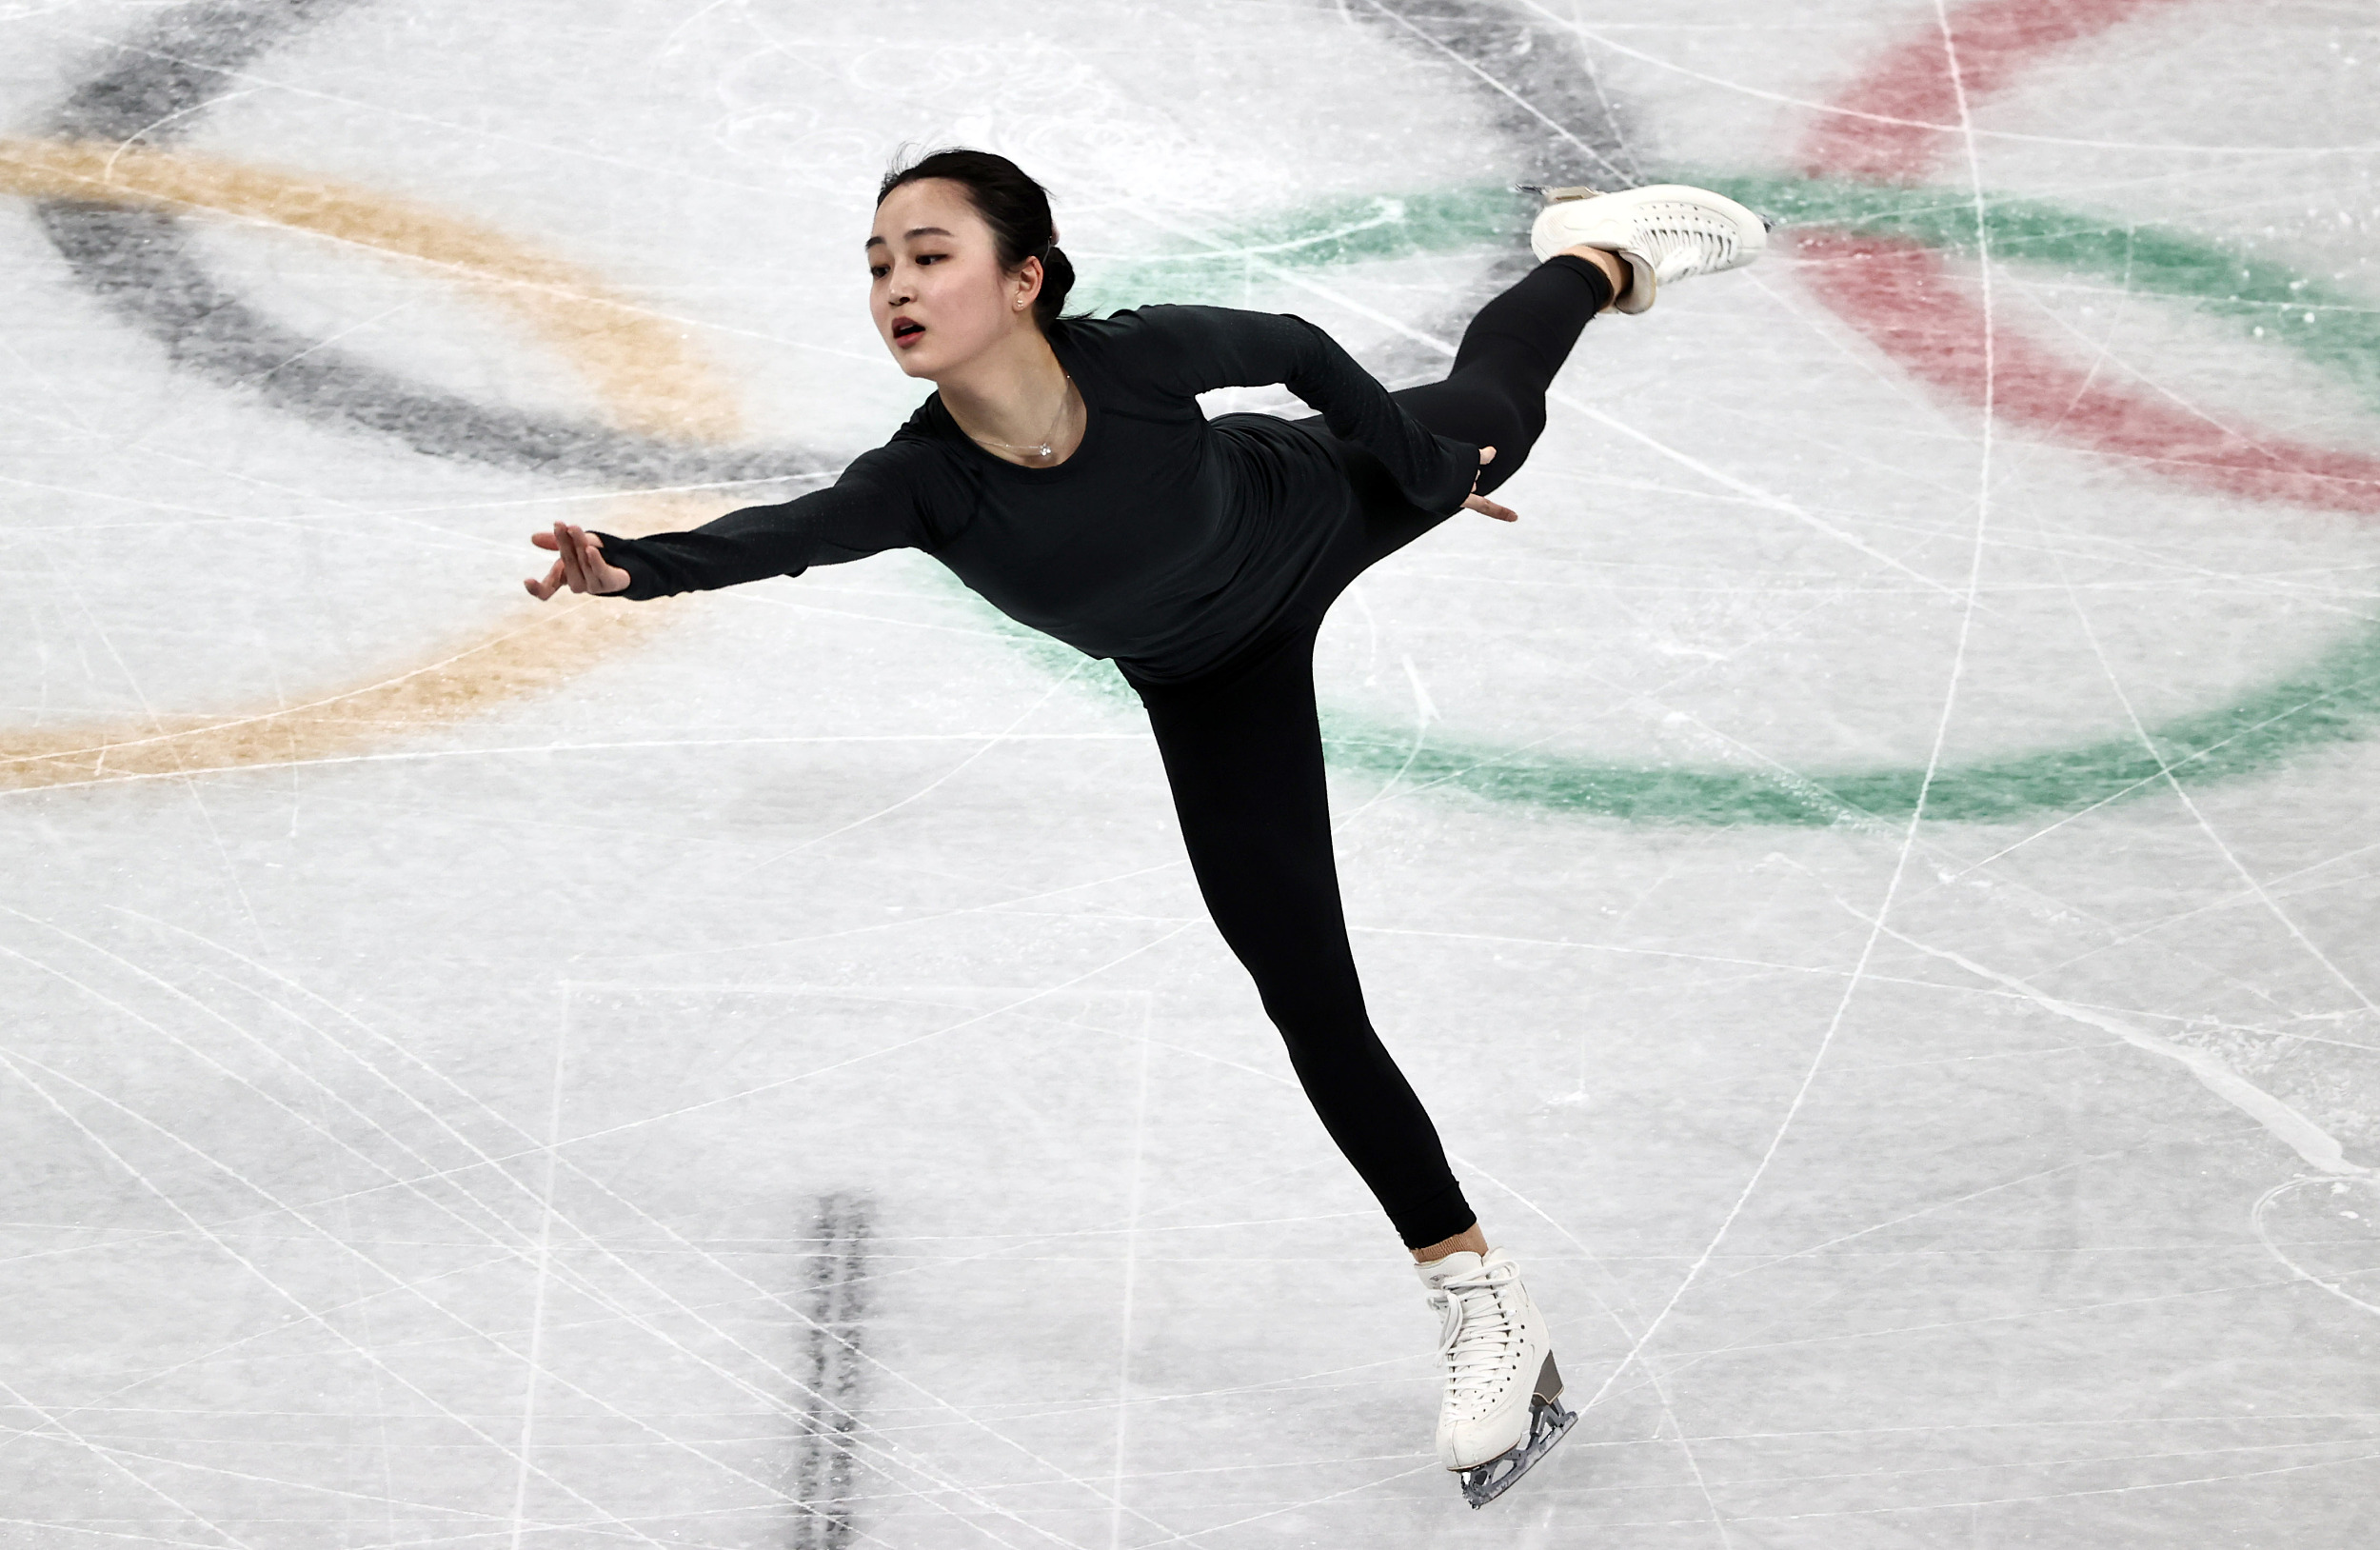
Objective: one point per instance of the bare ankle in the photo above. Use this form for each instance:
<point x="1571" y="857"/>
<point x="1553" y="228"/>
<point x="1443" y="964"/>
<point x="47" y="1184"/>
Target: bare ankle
<point x="1470" y="1238"/>
<point x="1614" y="271"/>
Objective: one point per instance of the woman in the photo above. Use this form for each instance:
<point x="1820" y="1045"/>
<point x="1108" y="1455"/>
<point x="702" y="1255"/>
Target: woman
<point x="1063" y="470"/>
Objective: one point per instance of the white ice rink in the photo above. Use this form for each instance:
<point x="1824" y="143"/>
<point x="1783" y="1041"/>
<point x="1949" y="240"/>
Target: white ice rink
<point x="1876" y="877"/>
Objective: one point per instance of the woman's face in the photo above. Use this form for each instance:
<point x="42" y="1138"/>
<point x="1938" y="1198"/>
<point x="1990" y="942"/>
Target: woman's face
<point x="937" y="293"/>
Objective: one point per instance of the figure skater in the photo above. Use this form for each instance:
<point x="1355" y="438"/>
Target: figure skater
<point x="1063" y="470"/>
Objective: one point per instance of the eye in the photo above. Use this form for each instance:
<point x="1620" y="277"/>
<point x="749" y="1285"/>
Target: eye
<point x="928" y="258"/>
<point x="880" y="270"/>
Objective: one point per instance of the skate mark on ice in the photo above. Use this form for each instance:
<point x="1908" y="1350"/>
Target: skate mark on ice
<point x="835" y="1301"/>
<point x="1532" y="71"/>
<point x="1908" y="847"/>
<point x="902" y="1466"/>
<point x="2042" y="24"/>
<point x="514" y="1241"/>
<point x="24" y="1069"/>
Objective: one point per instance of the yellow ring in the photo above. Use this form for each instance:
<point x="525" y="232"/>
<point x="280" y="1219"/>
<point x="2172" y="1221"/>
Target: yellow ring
<point x="649" y="382"/>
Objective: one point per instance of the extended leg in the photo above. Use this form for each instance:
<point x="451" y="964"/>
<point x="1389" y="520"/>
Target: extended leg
<point x="1244" y="755"/>
<point x="1494" y="394"/>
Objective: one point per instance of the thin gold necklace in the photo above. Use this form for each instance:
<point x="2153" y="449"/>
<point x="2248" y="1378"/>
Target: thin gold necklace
<point x="1046" y="447"/>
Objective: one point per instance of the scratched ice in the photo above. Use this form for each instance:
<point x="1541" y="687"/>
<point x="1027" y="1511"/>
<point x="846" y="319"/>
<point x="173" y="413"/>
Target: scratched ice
<point x="1876" y="876"/>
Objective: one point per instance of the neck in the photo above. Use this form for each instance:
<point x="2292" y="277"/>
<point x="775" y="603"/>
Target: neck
<point x="1011" y="392"/>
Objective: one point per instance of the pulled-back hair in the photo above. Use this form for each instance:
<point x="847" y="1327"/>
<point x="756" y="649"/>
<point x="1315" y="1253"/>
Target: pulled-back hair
<point x="1014" y="206"/>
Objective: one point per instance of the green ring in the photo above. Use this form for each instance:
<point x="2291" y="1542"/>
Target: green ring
<point x="2334" y="699"/>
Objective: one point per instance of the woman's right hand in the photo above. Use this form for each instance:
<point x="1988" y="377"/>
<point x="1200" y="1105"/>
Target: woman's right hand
<point x="582" y="566"/>
<point x="1481" y="503"/>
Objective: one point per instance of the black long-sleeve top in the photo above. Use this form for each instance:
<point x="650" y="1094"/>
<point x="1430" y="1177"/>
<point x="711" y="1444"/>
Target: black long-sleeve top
<point x="1163" y="541"/>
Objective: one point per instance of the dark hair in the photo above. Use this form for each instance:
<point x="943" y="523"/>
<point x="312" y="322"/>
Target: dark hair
<point x="1014" y="206"/>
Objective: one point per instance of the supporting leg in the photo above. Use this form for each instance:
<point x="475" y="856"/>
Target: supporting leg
<point x="1243" y="753"/>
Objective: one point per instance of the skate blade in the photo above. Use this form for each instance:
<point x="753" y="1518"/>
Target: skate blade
<point x="1556" y="196"/>
<point x="1547" y="1420"/>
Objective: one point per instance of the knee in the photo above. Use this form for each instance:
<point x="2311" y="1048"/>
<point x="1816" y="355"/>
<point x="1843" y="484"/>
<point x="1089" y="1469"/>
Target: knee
<point x="1315" y="1002"/>
<point x="1516" y="430"/>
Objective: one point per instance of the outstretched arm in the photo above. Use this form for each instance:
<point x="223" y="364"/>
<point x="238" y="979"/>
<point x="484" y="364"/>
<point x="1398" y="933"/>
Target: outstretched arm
<point x="1223" y="347"/>
<point x="877" y="505"/>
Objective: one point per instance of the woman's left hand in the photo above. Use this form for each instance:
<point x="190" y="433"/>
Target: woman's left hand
<point x="581" y="566"/>
<point x="1481" y="503"/>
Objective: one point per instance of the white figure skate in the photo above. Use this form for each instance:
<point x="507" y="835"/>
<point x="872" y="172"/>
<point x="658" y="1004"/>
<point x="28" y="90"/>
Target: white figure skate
<point x="1503" y="1408"/>
<point x="1664" y="233"/>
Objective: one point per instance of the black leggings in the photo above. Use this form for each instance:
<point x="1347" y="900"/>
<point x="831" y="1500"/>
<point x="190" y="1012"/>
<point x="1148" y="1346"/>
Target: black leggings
<point x="1244" y="752"/>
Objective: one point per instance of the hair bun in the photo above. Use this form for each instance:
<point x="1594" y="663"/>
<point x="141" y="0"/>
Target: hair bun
<point x="1056" y="279"/>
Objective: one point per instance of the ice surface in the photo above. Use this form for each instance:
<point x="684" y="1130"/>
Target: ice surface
<point x="1879" y="896"/>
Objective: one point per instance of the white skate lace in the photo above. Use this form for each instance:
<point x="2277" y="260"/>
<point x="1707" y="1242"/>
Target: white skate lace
<point x="1682" y="240"/>
<point x="1480" y="1325"/>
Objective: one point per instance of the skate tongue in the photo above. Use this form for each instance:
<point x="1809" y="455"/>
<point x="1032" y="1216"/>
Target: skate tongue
<point x="1437" y="1272"/>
